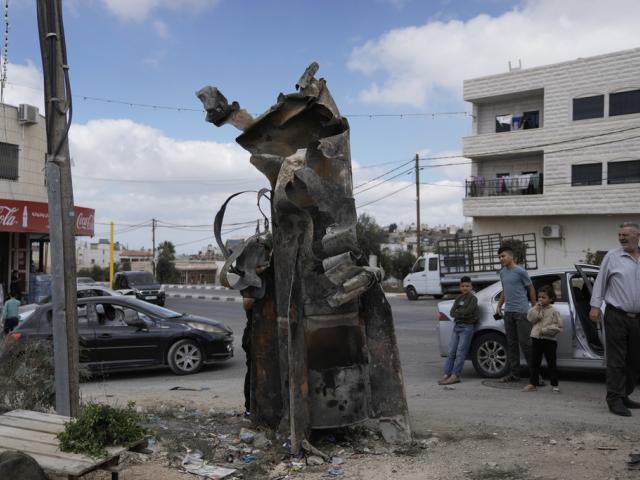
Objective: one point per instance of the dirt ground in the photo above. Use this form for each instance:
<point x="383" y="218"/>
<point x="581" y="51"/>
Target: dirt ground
<point x="564" y="451"/>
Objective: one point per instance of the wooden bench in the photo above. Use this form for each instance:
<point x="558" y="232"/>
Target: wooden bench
<point x="36" y="433"/>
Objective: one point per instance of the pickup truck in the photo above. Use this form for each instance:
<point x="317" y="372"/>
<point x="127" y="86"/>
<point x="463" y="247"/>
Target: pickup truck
<point x="439" y="273"/>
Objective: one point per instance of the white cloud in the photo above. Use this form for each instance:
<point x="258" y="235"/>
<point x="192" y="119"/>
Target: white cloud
<point x="441" y="193"/>
<point x="182" y="182"/>
<point x="161" y="28"/>
<point x="138" y="10"/>
<point x="24" y="85"/>
<point x="416" y="62"/>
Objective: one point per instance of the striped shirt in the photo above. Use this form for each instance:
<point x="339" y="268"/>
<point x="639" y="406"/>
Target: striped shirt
<point x="618" y="282"/>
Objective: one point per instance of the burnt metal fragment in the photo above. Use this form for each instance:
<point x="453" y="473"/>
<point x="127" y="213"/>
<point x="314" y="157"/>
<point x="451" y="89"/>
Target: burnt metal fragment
<point x="324" y="348"/>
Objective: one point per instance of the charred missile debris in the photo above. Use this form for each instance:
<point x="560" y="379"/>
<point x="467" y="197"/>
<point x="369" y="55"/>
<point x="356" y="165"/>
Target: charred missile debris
<point x="323" y="346"/>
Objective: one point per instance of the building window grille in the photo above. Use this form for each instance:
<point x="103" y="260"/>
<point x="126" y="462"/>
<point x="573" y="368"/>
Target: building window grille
<point x="623" y="172"/>
<point x="586" y="174"/>
<point x="588" y="107"/>
<point x="624" y="103"/>
<point x="9" y="161"/>
<point x="531" y="120"/>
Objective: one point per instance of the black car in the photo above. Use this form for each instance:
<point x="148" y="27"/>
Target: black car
<point x="141" y="284"/>
<point x="123" y="333"/>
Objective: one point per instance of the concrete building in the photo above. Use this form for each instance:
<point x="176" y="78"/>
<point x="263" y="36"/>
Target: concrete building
<point x="555" y="150"/>
<point x="140" y="260"/>
<point x="24" y="215"/>
<point x="89" y="254"/>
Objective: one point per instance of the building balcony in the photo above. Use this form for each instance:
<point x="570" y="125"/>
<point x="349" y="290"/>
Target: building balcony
<point x="504" y="186"/>
<point x="491" y="144"/>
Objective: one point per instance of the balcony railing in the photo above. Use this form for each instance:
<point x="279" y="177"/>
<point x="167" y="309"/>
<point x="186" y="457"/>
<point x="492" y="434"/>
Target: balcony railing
<point x="504" y="186"/>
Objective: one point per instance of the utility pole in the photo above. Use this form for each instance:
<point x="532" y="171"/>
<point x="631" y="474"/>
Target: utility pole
<point x="62" y="221"/>
<point x="111" y="255"/>
<point x="418" y="239"/>
<point x="153" y="241"/>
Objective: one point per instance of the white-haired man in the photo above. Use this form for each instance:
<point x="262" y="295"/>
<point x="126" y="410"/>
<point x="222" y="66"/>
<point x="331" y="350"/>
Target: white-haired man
<point x="618" y="285"/>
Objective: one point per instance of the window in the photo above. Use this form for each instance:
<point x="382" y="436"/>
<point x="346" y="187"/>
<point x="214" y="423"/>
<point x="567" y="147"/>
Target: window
<point x="9" y="161"/>
<point x="503" y="123"/>
<point x="623" y="172"/>
<point x="433" y="264"/>
<point x="588" y="107"/>
<point x="624" y="103"/>
<point x="419" y="266"/>
<point x="531" y="120"/>
<point x="586" y="174"/>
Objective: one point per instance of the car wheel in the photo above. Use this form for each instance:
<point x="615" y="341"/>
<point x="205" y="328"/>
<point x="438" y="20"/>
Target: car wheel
<point x="411" y="293"/>
<point x="438" y="297"/>
<point x="161" y="302"/>
<point x="489" y="355"/>
<point x="185" y="357"/>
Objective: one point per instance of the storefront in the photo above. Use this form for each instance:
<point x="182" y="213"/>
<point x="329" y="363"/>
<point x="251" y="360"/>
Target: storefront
<point x="24" y="239"/>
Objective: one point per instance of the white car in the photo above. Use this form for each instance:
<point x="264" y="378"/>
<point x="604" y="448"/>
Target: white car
<point x="580" y="345"/>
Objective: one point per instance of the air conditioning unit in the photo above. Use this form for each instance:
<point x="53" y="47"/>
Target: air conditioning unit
<point x="551" y="231"/>
<point x="27" y="114"/>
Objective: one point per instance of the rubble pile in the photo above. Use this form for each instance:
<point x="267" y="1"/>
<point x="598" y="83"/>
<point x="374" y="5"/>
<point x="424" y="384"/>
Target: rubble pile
<point x="225" y="444"/>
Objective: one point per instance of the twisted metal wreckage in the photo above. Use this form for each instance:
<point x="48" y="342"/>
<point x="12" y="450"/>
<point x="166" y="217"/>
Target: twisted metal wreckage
<point x="324" y="351"/>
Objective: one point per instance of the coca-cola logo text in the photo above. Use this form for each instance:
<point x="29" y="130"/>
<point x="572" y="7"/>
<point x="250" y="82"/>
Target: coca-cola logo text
<point x="8" y="216"/>
<point x="84" y="222"/>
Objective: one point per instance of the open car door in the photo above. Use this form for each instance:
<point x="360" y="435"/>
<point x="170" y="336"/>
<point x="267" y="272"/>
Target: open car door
<point x="588" y="274"/>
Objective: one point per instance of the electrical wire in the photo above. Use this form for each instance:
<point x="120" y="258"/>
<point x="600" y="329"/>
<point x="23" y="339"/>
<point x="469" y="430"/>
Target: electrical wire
<point x="386" y="196"/>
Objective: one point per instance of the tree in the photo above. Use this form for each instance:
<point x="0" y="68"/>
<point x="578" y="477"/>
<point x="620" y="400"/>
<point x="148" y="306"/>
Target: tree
<point x="393" y="227"/>
<point x="125" y="265"/>
<point x="166" y="265"/>
<point x="401" y="264"/>
<point x="370" y="235"/>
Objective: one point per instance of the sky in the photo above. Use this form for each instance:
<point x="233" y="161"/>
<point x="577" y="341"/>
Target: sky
<point x="133" y="162"/>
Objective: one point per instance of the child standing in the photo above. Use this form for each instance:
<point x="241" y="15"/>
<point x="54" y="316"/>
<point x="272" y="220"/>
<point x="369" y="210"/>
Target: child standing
<point x="547" y="325"/>
<point x="465" y="314"/>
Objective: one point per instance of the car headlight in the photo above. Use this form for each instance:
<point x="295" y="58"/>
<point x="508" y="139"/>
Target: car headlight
<point x="205" y="327"/>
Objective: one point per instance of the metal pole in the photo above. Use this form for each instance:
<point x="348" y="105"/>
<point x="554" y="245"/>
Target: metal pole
<point x="153" y="241"/>
<point x="111" y="255"/>
<point x="419" y="241"/>
<point x="62" y="222"/>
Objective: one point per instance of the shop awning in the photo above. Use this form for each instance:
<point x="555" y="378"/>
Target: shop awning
<point x="33" y="217"/>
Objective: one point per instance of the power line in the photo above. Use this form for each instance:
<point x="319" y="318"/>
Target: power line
<point x="382" y="175"/>
<point x="405" y="172"/>
<point x="386" y="196"/>
<point x="541" y="145"/>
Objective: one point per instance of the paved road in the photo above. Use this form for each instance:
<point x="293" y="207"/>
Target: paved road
<point x="580" y="403"/>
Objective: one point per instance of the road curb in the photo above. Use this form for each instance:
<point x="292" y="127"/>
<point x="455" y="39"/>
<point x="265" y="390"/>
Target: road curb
<point x="212" y="298"/>
<point x="196" y="287"/>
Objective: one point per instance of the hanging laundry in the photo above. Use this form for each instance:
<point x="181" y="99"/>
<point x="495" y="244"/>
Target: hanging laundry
<point x="516" y="122"/>
<point x="504" y="119"/>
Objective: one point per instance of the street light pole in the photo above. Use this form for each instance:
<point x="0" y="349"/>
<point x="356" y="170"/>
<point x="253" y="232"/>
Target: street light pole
<point x="418" y="239"/>
<point x="62" y="221"/>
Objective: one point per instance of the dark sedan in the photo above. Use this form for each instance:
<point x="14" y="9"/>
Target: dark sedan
<point x="124" y="333"/>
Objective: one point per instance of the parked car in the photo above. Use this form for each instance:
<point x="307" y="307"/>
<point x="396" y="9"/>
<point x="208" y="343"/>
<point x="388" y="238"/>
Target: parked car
<point x="85" y="281"/>
<point x="83" y="291"/>
<point x="142" y="285"/>
<point x="580" y="344"/>
<point x="123" y="333"/>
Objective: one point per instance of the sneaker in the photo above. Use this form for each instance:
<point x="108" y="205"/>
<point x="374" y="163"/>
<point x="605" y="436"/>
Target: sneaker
<point x="618" y="408"/>
<point x="451" y="380"/>
<point x="555" y="389"/>
<point x="510" y="379"/>
<point x="530" y="388"/>
<point x="443" y="379"/>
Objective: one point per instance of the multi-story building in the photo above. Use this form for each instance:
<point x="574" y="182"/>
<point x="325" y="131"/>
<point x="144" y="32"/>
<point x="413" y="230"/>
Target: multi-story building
<point x="555" y="150"/>
<point x="24" y="215"/>
<point x="138" y="260"/>
<point x="89" y="254"/>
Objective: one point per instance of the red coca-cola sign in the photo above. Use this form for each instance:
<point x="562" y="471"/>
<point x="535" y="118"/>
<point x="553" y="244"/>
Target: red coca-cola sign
<point x="33" y="217"/>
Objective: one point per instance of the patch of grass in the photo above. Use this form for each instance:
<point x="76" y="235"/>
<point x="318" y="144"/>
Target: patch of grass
<point x="100" y="426"/>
